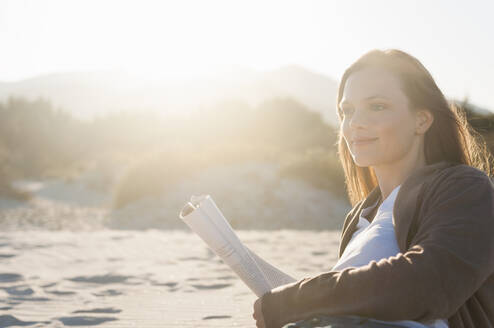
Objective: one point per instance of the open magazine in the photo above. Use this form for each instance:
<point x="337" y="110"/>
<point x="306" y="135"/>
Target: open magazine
<point x="203" y="216"/>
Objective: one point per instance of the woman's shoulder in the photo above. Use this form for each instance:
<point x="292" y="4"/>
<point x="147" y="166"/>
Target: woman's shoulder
<point x="459" y="177"/>
<point x="461" y="172"/>
<point x="445" y="182"/>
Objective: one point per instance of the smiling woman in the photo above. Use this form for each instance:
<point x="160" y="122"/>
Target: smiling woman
<point x="416" y="249"/>
<point x="379" y="133"/>
<point x="390" y="96"/>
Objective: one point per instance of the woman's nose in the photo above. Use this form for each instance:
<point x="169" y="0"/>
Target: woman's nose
<point x="358" y="119"/>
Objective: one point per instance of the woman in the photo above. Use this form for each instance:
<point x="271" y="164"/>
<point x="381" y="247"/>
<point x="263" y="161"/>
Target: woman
<point x="417" y="248"/>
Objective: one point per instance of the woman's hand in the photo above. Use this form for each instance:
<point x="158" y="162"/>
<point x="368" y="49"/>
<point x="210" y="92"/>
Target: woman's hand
<point x="258" y="314"/>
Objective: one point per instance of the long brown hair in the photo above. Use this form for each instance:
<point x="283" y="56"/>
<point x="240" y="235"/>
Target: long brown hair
<point x="449" y="138"/>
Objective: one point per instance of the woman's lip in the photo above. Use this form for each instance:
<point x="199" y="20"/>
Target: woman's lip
<point x="363" y="142"/>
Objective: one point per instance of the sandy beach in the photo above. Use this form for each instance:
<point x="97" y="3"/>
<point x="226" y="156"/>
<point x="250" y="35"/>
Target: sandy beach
<point x="150" y="278"/>
<point x="67" y="259"/>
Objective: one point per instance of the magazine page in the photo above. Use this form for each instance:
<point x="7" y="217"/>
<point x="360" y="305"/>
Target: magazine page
<point x="204" y="218"/>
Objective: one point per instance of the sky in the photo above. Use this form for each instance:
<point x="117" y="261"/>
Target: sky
<point x="186" y="39"/>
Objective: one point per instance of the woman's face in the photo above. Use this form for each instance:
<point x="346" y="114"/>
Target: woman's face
<point x="377" y="125"/>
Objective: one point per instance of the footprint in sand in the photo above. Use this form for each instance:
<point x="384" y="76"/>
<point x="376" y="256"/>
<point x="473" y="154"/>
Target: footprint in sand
<point x="6" y="255"/>
<point x="11" y="321"/>
<point x="23" y="247"/>
<point x="60" y="292"/>
<point x="192" y="258"/>
<point x="84" y="320"/>
<point x="109" y="292"/>
<point x="226" y="277"/>
<point x="213" y="286"/>
<point x="120" y="237"/>
<point x="33" y="299"/>
<point x="167" y="284"/>
<point x="10" y="277"/>
<point x="18" y="290"/>
<point x="49" y="285"/>
<point x="101" y="279"/>
<point x="99" y="310"/>
<point x="318" y="253"/>
<point x="193" y="279"/>
<point x="107" y="279"/>
<point x="216" y="317"/>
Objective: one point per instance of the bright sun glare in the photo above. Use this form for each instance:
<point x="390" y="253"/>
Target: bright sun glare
<point x="165" y="39"/>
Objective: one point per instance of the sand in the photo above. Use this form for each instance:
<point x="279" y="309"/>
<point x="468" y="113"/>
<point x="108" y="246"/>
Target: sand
<point x="67" y="259"/>
<point x="152" y="278"/>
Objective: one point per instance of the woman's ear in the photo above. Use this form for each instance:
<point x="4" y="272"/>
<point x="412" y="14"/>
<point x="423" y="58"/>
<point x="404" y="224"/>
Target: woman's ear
<point x="424" y="119"/>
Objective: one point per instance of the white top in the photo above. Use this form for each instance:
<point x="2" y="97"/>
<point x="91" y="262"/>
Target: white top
<point x="374" y="241"/>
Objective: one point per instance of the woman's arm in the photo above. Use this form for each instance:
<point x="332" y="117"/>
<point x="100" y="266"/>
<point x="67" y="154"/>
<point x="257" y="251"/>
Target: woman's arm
<point x="452" y="255"/>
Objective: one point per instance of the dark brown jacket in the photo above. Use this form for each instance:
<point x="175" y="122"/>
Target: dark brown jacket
<point x="444" y="223"/>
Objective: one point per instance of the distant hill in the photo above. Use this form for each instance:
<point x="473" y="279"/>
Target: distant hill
<point x="90" y="94"/>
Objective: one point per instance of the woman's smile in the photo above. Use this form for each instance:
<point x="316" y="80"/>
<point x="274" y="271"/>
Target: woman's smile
<point x="363" y="142"/>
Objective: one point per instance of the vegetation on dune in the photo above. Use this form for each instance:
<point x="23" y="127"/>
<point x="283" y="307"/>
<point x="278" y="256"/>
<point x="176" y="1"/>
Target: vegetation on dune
<point x="280" y="130"/>
<point x="39" y="141"/>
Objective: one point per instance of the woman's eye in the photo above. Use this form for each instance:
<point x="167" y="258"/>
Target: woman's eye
<point x="378" y="106"/>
